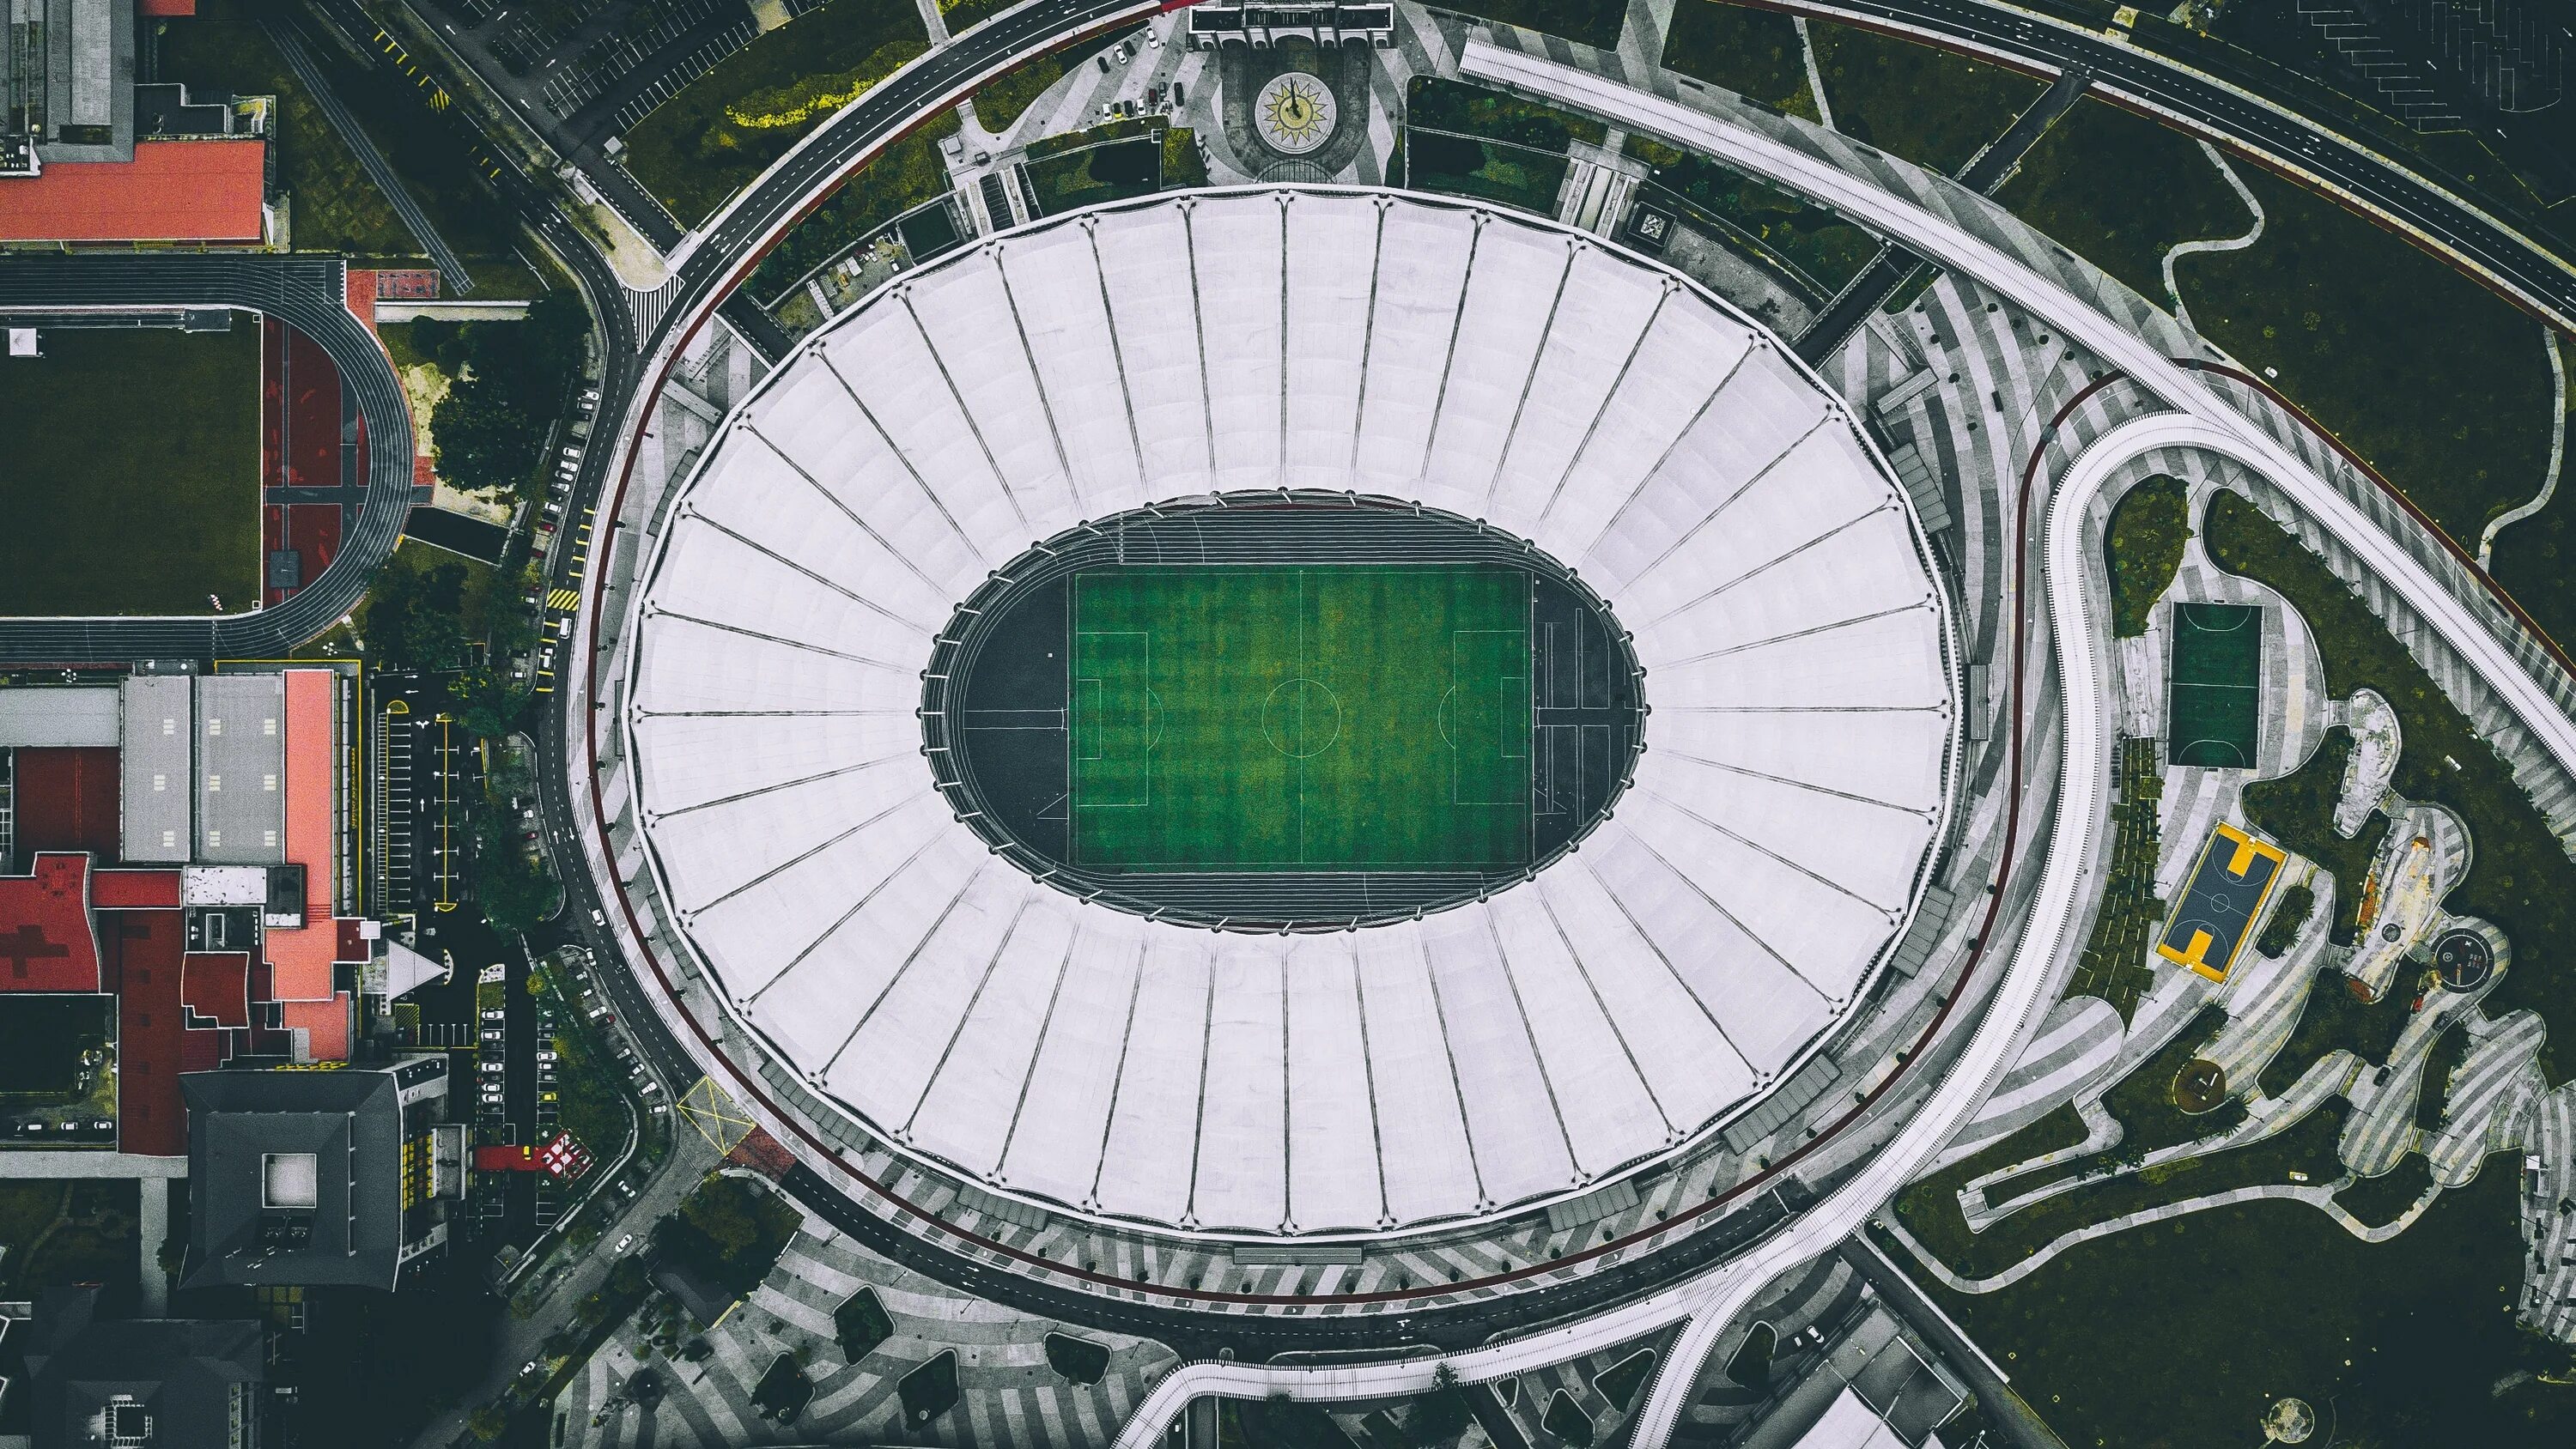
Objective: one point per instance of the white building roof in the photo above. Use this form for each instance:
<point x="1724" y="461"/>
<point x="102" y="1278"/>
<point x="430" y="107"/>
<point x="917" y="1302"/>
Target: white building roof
<point x="1634" y="996"/>
<point x="59" y="717"/>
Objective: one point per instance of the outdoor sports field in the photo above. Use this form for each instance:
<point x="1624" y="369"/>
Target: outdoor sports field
<point x="2217" y="684"/>
<point x="132" y="478"/>
<point x="1234" y="719"/>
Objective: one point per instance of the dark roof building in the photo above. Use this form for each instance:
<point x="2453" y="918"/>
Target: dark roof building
<point x="140" y="1383"/>
<point x="318" y="1174"/>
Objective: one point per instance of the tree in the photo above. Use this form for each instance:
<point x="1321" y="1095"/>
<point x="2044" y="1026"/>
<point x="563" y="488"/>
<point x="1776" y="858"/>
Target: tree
<point x="628" y="1279"/>
<point x="488" y="1421"/>
<point x="487" y="700"/>
<point x="514" y="894"/>
<point x="484" y="442"/>
<point x="415" y="620"/>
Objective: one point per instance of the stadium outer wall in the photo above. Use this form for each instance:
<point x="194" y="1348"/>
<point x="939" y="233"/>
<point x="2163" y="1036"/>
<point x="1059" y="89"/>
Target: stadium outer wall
<point x="981" y="1230"/>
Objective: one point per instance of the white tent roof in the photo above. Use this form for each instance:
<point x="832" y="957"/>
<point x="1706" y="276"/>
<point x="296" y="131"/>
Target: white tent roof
<point x="1639" y="992"/>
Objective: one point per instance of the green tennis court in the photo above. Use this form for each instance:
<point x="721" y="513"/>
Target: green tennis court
<point x="2215" y="698"/>
<point x="1230" y="719"/>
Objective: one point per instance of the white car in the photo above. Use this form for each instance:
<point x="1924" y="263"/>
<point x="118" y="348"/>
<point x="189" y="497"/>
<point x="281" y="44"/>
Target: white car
<point x="626" y="1242"/>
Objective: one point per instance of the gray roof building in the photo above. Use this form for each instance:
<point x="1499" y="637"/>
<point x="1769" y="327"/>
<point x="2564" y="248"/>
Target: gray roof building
<point x="301" y="1175"/>
<point x="141" y="1382"/>
<point x="78" y="716"/>
<point x="69" y="70"/>
<point x="155" y="767"/>
<point x="241" y="769"/>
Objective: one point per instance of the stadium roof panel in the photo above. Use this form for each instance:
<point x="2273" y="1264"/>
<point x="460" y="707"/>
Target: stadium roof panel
<point x="1629" y="1000"/>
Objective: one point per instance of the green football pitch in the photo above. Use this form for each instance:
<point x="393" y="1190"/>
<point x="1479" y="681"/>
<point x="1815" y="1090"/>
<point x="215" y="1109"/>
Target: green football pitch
<point x="2216" y="695"/>
<point x="1300" y="719"/>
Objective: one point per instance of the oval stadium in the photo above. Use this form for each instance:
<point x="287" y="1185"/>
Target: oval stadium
<point x="1288" y="713"/>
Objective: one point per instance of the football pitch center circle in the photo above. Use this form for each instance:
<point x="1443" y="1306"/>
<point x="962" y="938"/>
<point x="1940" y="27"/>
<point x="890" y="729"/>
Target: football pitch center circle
<point x="1627" y="553"/>
<point x="1302" y="718"/>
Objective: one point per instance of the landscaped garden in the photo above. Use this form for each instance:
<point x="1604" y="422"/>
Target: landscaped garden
<point x="701" y="146"/>
<point x="2119" y="190"/>
<point x="1754" y="53"/>
<point x="1931" y="106"/>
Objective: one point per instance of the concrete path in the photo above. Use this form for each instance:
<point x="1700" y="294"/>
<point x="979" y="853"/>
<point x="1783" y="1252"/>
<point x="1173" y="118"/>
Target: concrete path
<point x="2244" y="239"/>
<point x="2557" y="450"/>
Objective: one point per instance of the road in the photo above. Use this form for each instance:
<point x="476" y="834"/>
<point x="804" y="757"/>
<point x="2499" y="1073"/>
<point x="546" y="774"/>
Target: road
<point x="692" y="1158"/>
<point x="2519" y="251"/>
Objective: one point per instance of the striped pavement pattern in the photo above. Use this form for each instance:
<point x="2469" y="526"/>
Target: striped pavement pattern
<point x="2487" y="1102"/>
<point x="1010" y="1395"/>
<point x="2549" y="1219"/>
<point x="2269" y="994"/>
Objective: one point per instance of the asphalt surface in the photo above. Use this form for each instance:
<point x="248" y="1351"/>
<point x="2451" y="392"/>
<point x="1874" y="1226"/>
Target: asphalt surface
<point x="2523" y="261"/>
<point x="308" y="294"/>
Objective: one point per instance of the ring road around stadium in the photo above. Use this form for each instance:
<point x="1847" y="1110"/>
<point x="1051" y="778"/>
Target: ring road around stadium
<point x="1306" y="714"/>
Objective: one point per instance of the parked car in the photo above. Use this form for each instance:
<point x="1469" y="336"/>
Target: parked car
<point x="495" y="1013"/>
<point x="1104" y="65"/>
<point x="1125" y="52"/>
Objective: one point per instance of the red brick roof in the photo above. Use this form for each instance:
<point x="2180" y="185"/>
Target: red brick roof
<point x="45" y="938"/>
<point x="128" y="890"/>
<point x="151" y="1030"/>
<point x="168" y="7"/>
<point x="208" y="191"/>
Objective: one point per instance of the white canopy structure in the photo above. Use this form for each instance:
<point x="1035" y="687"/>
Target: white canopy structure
<point x="1636" y="995"/>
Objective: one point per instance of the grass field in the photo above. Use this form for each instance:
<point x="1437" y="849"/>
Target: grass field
<point x="109" y="516"/>
<point x="2433" y="378"/>
<point x="1754" y="53"/>
<point x="2217" y="684"/>
<point x="1300" y="718"/>
<point x="2119" y="190"/>
<point x="1928" y="105"/>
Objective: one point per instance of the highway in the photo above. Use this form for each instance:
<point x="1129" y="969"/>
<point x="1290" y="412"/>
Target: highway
<point x="2513" y="254"/>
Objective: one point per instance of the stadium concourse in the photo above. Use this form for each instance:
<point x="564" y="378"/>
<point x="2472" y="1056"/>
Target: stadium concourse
<point x="1050" y="1054"/>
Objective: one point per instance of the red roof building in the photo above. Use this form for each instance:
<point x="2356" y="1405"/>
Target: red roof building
<point x="211" y="190"/>
<point x="46" y="943"/>
<point x="134" y="890"/>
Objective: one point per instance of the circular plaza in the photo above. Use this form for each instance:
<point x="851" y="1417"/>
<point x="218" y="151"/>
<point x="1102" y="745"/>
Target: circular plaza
<point x="1313" y="713"/>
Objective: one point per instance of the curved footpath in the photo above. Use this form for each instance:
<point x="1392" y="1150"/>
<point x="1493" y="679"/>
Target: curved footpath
<point x="309" y="294"/>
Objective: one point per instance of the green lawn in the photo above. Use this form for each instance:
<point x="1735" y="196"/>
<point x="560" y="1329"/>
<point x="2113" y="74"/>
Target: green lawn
<point x="1754" y="53"/>
<point x="2142" y="548"/>
<point x="2119" y="190"/>
<point x="1925" y="104"/>
<point x="1820" y="250"/>
<point x="2531" y="556"/>
<point x="2430" y="376"/>
<point x="697" y="149"/>
<point x="1003" y="99"/>
<point x="1301" y="718"/>
<point x="132" y="485"/>
<point x="2179" y="1335"/>
<point x="334" y="207"/>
